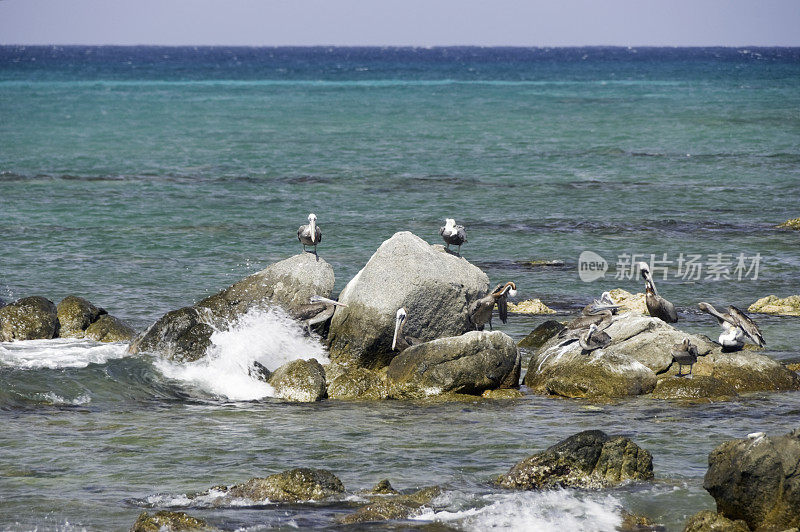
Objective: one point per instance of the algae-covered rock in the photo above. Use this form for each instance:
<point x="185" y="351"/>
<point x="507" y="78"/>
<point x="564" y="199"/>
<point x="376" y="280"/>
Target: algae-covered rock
<point x="383" y="487"/>
<point x="503" y="393"/>
<point x="638" y="523"/>
<point x="359" y="383"/>
<point x="164" y="521"/>
<point x="589" y="459"/>
<point x="392" y="507"/>
<point x="29" y="318"/>
<point x="747" y="371"/>
<point x="296" y="485"/>
<point x="107" y="328"/>
<point x="181" y="335"/>
<point x="793" y="223"/>
<point x="709" y="521"/>
<point x="530" y="306"/>
<point x="541" y="334"/>
<point x="435" y="287"/>
<point x="694" y="387"/>
<point x="299" y="380"/>
<point x="628" y="301"/>
<point x="788" y="306"/>
<point x="466" y="364"/>
<point x="75" y="314"/>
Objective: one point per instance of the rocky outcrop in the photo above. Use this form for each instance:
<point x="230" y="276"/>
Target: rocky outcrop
<point x="530" y="306"/>
<point x="435" y="287"/>
<point x="29" y="318"/>
<point x="541" y="334"/>
<point x="788" y="306"/>
<point x="793" y="223"/>
<point x="392" y="506"/>
<point x="696" y="387"/>
<point x="628" y="301"/>
<point x="358" y="384"/>
<point x="299" y="380"/>
<point x="297" y="485"/>
<point x="107" y="328"/>
<point x="183" y="335"/>
<point x="466" y="364"/>
<point x="75" y="315"/>
<point x="589" y="459"/>
<point x="747" y="371"/>
<point x="708" y="521"/>
<point x="164" y="521"/>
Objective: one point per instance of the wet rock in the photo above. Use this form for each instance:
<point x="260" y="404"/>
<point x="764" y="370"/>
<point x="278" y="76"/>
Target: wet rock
<point x="794" y="223"/>
<point x="180" y="335"/>
<point x="299" y="380"/>
<point x="629" y="302"/>
<point x="466" y="364"/>
<point x="296" y="485"/>
<point x="29" y="318"/>
<point x="393" y="507"/>
<point x="708" y="521"/>
<point x="696" y="387"/>
<point x="757" y="480"/>
<point x="164" y="521"/>
<point x="435" y="287"/>
<point x="384" y="487"/>
<point x="359" y="384"/>
<point x="75" y="314"/>
<point x="638" y="523"/>
<point x="541" y="334"/>
<point x="788" y="306"/>
<point x="589" y="459"/>
<point x="747" y="371"/>
<point x="793" y="367"/>
<point x="530" y="306"/>
<point x="503" y="393"/>
<point x="107" y="328"/>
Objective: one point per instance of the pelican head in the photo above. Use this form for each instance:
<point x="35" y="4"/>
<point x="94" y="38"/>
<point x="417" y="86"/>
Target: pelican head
<point x="605" y="298"/>
<point x="449" y="223"/>
<point x="399" y="320"/>
<point x="686" y="343"/>
<point x="509" y="288"/>
<point x="705" y="307"/>
<point x="312" y="222"/>
<point x="645" y="269"/>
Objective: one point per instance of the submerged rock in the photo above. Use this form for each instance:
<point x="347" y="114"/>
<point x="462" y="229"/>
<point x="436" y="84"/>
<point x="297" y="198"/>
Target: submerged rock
<point x="107" y="328"/>
<point x="530" y="306"/>
<point x="392" y="506"/>
<point x="164" y="521"/>
<point x="708" y="521"/>
<point x="29" y="318"/>
<point x="466" y="364"/>
<point x="793" y="223"/>
<point x="359" y="384"/>
<point x="435" y="287"/>
<point x="589" y="459"/>
<point x="75" y="314"/>
<point x="541" y="334"/>
<point x="788" y="306"/>
<point x="299" y="380"/>
<point x="297" y="485"/>
<point x="694" y="387"/>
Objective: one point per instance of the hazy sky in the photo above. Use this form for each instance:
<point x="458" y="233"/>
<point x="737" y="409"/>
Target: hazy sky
<point x="403" y="22"/>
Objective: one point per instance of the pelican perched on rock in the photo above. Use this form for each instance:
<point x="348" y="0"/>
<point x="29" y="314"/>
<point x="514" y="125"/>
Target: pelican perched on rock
<point x="685" y="354"/>
<point x="605" y="302"/>
<point x="318" y="310"/>
<point x="480" y="311"/>
<point x="400" y="341"/>
<point x="657" y="306"/>
<point x="736" y="325"/>
<point x="594" y="338"/>
<point x="310" y="234"/>
<point x="599" y="315"/>
<point x="453" y="234"/>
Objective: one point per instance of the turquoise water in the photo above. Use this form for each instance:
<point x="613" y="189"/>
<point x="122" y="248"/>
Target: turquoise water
<point x="146" y="178"/>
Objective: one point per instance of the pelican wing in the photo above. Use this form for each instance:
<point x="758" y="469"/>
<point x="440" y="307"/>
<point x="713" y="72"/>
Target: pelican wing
<point x="309" y="310"/>
<point x="461" y="233"/>
<point x="502" y="308"/>
<point x="749" y="327"/>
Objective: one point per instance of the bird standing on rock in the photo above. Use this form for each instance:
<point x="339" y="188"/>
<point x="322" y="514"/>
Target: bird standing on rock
<point x="311" y="234"/>
<point x="400" y="342"/>
<point x="453" y="234"/>
<point x="685" y="354"/>
<point x="736" y="325"/>
<point x="657" y="306"/>
<point x="480" y="311"/>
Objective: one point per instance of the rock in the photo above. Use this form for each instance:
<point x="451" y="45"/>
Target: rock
<point x="629" y="302"/>
<point x="469" y="364"/>
<point x="708" y="521"/>
<point x="589" y="459"/>
<point x="75" y="314"/>
<point x="435" y="287"/>
<point x="296" y="485"/>
<point x="503" y="393"/>
<point x="638" y="523"/>
<point x="793" y="367"/>
<point x="788" y="306"/>
<point x="541" y="334"/>
<point x="392" y="507"/>
<point x="384" y="487"/>
<point x="794" y="223"/>
<point x="757" y="480"/>
<point x="696" y="387"/>
<point x="107" y="328"/>
<point x="530" y="306"/>
<point x="164" y="521"/>
<point x="299" y="380"/>
<point x="2" y="302"/>
<point x="29" y="318"/>
<point x="358" y="383"/>
<point x="184" y="335"/>
<point x="747" y="371"/>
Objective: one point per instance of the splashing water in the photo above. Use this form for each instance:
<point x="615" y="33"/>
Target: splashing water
<point x="58" y="353"/>
<point x="270" y="338"/>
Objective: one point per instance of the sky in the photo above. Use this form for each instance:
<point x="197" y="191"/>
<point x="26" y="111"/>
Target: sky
<point x="402" y="22"/>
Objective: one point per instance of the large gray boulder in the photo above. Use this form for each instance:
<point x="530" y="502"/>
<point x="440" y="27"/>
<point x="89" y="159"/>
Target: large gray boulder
<point x="29" y="318"/>
<point x="435" y="287"/>
<point x="466" y="364"/>
<point x="184" y="334"/>
<point x="75" y="315"/>
<point x="302" y="381"/>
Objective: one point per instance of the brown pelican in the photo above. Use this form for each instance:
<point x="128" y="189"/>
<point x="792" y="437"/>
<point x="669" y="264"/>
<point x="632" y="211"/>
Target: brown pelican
<point x="453" y="234"/>
<point x="736" y="325"/>
<point x="657" y="306"/>
<point x="594" y="338"/>
<point x="480" y="311"/>
<point x="605" y="302"/>
<point x="400" y="341"/>
<point x="318" y="310"/>
<point x="599" y="315"/>
<point x="311" y="234"/>
<point x="685" y="354"/>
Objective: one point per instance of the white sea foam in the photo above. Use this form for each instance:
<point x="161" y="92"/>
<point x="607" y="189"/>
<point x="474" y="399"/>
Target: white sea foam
<point x="536" y="511"/>
<point x="58" y="353"/>
<point x="269" y="337"/>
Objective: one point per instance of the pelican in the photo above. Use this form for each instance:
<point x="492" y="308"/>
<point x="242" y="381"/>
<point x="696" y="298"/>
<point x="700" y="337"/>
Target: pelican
<point x="480" y="311"/>
<point x="605" y="302"/>
<point x="594" y="338"/>
<point x="318" y="310"/>
<point x="400" y="341"/>
<point x="599" y="315"/>
<point x="736" y="325"/>
<point x="311" y="234"/>
<point x="657" y="306"/>
<point x="685" y="354"/>
<point x="453" y="234"/>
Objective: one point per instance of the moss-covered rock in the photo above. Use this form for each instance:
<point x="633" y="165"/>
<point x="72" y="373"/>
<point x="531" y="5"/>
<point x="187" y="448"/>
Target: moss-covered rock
<point x="793" y="223"/>
<point x="164" y="521"/>
<point x="638" y="523"/>
<point x="299" y="380"/>
<point x="359" y="384"/>
<point x="29" y="318"/>
<point x="628" y="301"/>
<point x="393" y="507"/>
<point x="696" y="387"/>
<point x="75" y="314"/>
<point x="107" y="328"/>
<point x="180" y="335"/>
<point x="541" y="334"/>
<point x="589" y="459"/>
<point x="503" y="393"/>
<point x="788" y="306"/>
<point x="709" y="521"/>
<point x="747" y="371"/>
<point x="530" y="306"/>
<point x="296" y="485"/>
<point x="383" y="487"/>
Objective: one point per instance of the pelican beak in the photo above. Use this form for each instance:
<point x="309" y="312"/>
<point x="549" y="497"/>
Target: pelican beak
<point x="397" y="324"/>
<point x="313" y="223"/>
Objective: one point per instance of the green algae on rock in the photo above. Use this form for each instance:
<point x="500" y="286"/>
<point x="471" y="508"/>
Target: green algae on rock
<point x="392" y="506"/>
<point x="696" y="387"/>
<point x="359" y="384"/>
<point x="530" y="306"/>
<point x="296" y="485"/>
<point x="787" y="306"/>
<point x="710" y="521"/>
<point x="107" y="328"/>
<point x="301" y="381"/>
<point x="75" y="315"/>
<point x="164" y="521"/>
<point x="29" y="318"/>
<point x="793" y="223"/>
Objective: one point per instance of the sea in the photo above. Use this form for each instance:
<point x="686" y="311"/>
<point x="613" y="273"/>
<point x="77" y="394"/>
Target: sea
<point x="146" y="178"/>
